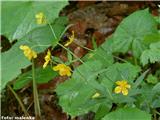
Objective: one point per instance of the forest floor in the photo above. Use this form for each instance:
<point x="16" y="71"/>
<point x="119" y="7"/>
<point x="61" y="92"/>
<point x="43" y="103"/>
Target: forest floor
<point x="90" y="20"/>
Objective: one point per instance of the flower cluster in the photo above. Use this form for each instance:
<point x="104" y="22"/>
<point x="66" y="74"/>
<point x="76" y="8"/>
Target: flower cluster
<point x="47" y="58"/>
<point x="122" y="87"/>
<point x="63" y="69"/>
<point x="28" y="52"/>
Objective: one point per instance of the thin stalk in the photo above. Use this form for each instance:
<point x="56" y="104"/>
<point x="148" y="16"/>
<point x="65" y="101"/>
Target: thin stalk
<point x="66" y="29"/>
<point x="158" y="113"/>
<point x="100" y="55"/>
<point x="85" y="47"/>
<point x="135" y="61"/>
<point x="118" y="58"/>
<point x="62" y="45"/>
<point x="73" y="54"/>
<point x="19" y="100"/>
<point x="70" y="52"/>
<point x="52" y="31"/>
<point x="35" y="94"/>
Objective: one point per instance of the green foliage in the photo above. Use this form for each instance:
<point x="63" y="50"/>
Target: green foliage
<point x="98" y="73"/>
<point x="18" y="18"/>
<point x="152" y="79"/>
<point x="75" y="95"/>
<point x="78" y="100"/>
<point x="151" y="38"/>
<point x="41" y="76"/>
<point x="151" y="55"/>
<point x="122" y="71"/>
<point x="103" y="109"/>
<point x="140" y="79"/>
<point x="149" y="97"/>
<point x="102" y="54"/>
<point x="24" y="28"/>
<point x="127" y="114"/>
<point x="130" y="33"/>
<point x="156" y="88"/>
<point x="39" y="39"/>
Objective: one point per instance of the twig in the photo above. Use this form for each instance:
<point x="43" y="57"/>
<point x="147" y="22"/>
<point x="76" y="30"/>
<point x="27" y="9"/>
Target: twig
<point x="19" y="100"/>
<point x="35" y="94"/>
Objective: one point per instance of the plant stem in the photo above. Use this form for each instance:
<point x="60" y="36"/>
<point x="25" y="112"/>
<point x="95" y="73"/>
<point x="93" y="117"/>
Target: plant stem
<point x="135" y="61"/>
<point x="157" y="112"/>
<point x="85" y="47"/>
<point x="52" y="31"/>
<point x="19" y="100"/>
<point x="70" y="52"/>
<point x="35" y="94"/>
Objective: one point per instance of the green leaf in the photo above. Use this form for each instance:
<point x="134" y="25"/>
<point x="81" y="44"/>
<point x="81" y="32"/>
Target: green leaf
<point x="41" y="76"/>
<point x="156" y="88"/>
<point x="102" y="111"/>
<point x="39" y="39"/>
<point x="127" y="114"/>
<point x="12" y="62"/>
<point x="130" y="33"/>
<point x="102" y="54"/>
<point x="140" y="79"/>
<point x="122" y="71"/>
<point x="152" y="79"/>
<point x="116" y="72"/>
<point x="151" y="55"/>
<point x="94" y="43"/>
<point x="69" y="56"/>
<point x="156" y="103"/>
<point x="157" y="19"/>
<point x="18" y="18"/>
<point x="151" y="38"/>
<point x="75" y="95"/>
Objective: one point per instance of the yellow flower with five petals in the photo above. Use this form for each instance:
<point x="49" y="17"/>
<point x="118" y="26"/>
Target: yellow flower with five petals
<point x="71" y="39"/>
<point x="122" y="87"/>
<point x="63" y="69"/>
<point x="28" y="52"/>
<point x="40" y="18"/>
<point x="47" y="58"/>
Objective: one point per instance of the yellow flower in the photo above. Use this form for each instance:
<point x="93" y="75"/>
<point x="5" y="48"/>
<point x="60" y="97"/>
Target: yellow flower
<point x="28" y="52"/>
<point x="47" y="58"/>
<point x="96" y="95"/>
<point x="40" y="18"/>
<point x="63" y="69"/>
<point x="71" y="39"/>
<point x="122" y="87"/>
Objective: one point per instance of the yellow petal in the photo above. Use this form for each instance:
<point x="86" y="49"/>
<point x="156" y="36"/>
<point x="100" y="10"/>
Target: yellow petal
<point x="118" y="82"/>
<point x="24" y="47"/>
<point x="62" y="73"/>
<point x="117" y="89"/>
<point x="124" y="91"/>
<point x="40" y="18"/>
<point x="63" y="69"/>
<point x="68" y="73"/>
<point x="128" y="86"/>
<point x="45" y="64"/>
<point x="39" y="15"/>
<point x="55" y="68"/>
<point x="71" y="39"/>
<point x="28" y="52"/>
<point x="96" y="95"/>
<point x="34" y="54"/>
